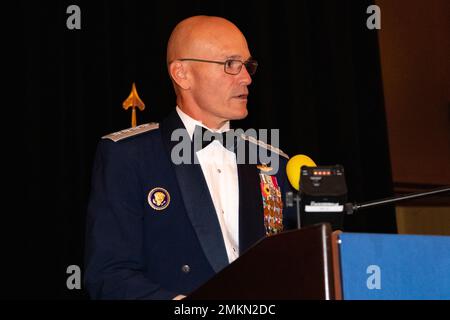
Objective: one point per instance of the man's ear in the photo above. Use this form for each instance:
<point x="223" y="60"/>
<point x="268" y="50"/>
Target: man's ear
<point x="178" y="74"/>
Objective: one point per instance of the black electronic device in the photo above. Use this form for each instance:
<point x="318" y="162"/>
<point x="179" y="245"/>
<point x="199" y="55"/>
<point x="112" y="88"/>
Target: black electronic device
<point x="323" y="193"/>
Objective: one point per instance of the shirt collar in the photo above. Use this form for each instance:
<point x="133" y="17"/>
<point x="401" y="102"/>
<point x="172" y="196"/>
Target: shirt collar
<point x="190" y="123"/>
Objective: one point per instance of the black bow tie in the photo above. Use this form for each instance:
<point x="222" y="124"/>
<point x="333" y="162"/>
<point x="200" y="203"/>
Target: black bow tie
<point x="203" y="137"/>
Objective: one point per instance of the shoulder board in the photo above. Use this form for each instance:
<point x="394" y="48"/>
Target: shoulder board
<point x="123" y="134"/>
<point x="264" y="145"/>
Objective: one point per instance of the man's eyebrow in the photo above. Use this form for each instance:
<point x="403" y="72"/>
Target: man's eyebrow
<point x="238" y="57"/>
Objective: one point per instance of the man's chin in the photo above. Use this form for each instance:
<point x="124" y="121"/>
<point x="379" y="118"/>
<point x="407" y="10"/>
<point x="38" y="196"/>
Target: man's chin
<point x="240" y="115"/>
<point x="240" y="111"/>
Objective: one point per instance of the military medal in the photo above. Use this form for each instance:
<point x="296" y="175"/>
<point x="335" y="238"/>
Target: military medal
<point x="272" y="203"/>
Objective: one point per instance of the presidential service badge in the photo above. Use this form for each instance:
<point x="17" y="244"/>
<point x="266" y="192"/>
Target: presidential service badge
<point x="158" y="198"/>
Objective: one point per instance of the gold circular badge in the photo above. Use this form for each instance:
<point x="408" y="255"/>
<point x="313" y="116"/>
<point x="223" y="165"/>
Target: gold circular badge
<point x="158" y="198"/>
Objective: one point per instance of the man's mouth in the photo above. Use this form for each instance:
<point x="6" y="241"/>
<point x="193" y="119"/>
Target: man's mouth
<point x="242" y="96"/>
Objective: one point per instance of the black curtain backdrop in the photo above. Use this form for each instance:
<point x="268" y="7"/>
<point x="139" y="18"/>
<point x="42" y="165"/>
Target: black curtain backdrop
<point x="319" y="82"/>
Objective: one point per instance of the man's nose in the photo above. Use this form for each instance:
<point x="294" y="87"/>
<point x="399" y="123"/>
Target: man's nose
<point x="245" y="77"/>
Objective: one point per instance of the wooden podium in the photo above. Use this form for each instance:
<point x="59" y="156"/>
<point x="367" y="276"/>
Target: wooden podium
<point x="292" y="265"/>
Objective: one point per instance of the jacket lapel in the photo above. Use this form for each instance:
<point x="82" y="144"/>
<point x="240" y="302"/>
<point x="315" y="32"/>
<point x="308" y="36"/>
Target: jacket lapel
<point x="251" y="214"/>
<point x="197" y="199"/>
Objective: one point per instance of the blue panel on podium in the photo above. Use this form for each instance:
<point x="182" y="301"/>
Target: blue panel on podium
<point x="382" y="266"/>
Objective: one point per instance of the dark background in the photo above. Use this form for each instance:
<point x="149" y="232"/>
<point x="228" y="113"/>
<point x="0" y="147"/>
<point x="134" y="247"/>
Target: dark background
<point x="318" y="81"/>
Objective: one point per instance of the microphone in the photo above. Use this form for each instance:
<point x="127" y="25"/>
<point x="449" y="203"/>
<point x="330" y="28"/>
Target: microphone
<point x="293" y="168"/>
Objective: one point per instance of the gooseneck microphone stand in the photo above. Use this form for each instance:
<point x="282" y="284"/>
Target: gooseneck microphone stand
<point x="350" y="208"/>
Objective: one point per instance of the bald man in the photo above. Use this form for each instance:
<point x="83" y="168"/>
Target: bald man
<point x="161" y="221"/>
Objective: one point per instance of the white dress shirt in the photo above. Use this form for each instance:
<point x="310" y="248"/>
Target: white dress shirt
<point x="220" y="171"/>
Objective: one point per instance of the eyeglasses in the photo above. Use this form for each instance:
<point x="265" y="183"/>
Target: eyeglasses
<point x="231" y="66"/>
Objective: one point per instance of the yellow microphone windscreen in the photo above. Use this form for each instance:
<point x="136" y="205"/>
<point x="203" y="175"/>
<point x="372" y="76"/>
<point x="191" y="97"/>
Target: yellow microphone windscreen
<point x="293" y="168"/>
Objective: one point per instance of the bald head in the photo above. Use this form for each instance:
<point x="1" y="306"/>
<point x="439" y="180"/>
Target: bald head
<point x="202" y="37"/>
<point x="198" y="56"/>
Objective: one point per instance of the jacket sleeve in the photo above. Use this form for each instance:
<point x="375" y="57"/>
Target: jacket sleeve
<point x="114" y="264"/>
